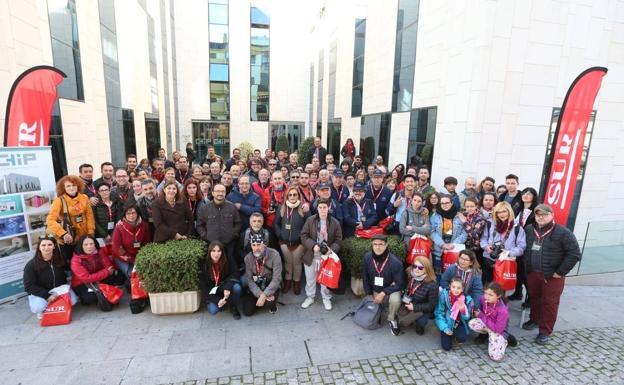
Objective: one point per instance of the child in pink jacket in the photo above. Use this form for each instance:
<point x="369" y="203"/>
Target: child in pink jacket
<point x="492" y="317"/>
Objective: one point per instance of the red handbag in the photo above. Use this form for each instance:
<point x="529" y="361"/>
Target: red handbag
<point x="368" y="233"/>
<point x="449" y="257"/>
<point x="419" y="245"/>
<point x="137" y="291"/>
<point x="386" y="223"/>
<point x="329" y="273"/>
<point x="505" y="273"/>
<point x="58" y="312"/>
<point x="112" y="293"/>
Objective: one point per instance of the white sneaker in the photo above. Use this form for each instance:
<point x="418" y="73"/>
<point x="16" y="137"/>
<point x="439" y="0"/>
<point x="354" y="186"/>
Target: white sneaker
<point x="327" y="304"/>
<point x="307" y="303"/>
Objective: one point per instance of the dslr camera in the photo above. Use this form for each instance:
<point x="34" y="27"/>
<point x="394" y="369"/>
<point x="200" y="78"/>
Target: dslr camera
<point x="262" y="283"/>
<point x="497" y="249"/>
<point x="324" y="248"/>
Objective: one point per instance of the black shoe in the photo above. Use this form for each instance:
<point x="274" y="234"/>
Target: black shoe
<point x="235" y="313"/>
<point x="516" y="296"/>
<point x="512" y="341"/>
<point x="529" y="325"/>
<point x="541" y="339"/>
<point x="273" y="308"/>
<point x="481" y="339"/>
<point x="420" y="330"/>
<point x="394" y="329"/>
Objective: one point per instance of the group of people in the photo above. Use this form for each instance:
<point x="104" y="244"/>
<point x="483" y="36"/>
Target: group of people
<point x="271" y="220"/>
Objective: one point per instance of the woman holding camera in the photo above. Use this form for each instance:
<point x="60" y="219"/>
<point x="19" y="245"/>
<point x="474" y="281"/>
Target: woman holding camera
<point x="321" y="236"/>
<point x="502" y="239"/>
<point x="420" y="296"/>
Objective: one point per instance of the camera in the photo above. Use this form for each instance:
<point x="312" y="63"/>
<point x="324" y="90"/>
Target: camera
<point x="497" y="249"/>
<point x="262" y="283"/>
<point x="324" y="248"/>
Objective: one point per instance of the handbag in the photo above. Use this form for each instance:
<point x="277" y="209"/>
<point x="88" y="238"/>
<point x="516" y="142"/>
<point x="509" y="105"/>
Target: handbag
<point x="102" y="302"/>
<point x="65" y="222"/>
<point x="505" y="273"/>
<point x="368" y="233"/>
<point x="59" y="311"/>
<point x="329" y="272"/>
<point x="137" y="291"/>
<point x="387" y="223"/>
<point x="419" y="246"/>
<point x="449" y="257"/>
<point x="112" y="293"/>
<point x="368" y="315"/>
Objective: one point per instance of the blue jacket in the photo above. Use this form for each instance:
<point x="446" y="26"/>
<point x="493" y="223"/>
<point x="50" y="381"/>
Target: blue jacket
<point x="250" y="204"/>
<point x="382" y="200"/>
<point x="335" y="210"/>
<point x="350" y="220"/>
<point x="474" y="287"/>
<point x="340" y="196"/>
<point x="393" y="276"/>
<point x="443" y="313"/>
<point x="459" y="234"/>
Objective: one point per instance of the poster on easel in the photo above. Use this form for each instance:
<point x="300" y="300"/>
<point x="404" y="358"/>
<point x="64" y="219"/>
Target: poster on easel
<point x="27" y="187"/>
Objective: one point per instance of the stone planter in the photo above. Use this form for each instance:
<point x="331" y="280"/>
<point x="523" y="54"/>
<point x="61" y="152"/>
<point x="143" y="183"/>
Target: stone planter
<point x="175" y="303"/>
<point x="357" y="287"/>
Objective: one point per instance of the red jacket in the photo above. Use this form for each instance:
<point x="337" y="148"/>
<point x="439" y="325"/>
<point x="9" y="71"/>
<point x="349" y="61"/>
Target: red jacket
<point x="124" y="235"/>
<point x="258" y="189"/>
<point x="277" y="198"/>
<point x="89" y="268"/>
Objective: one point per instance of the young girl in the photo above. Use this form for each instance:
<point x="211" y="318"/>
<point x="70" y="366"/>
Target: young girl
<point x="492" y="317"/>
<point x="452" y="313"/>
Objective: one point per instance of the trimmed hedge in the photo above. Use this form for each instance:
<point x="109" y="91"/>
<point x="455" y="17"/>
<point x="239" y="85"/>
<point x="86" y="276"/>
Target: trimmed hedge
<point x="172" y="266"/>
<point x="282" y="144"/>
<point x="353" y="250"/>
<point x="303" y="149"/>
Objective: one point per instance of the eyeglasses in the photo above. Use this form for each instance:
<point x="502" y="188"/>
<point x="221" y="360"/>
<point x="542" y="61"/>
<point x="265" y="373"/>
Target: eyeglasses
<point x="104" y="190"/>
<point x="293" y="195"/>
<point x="467" y="259"/>
<point x="294" y="177"/>
<point x="47" y="236"/>
<point x="419" y="267"/>
<point x="445" y="203"/>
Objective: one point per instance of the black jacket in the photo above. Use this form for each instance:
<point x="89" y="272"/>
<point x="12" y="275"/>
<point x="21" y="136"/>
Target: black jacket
<point x="218" y="223"/>
<point x="228" y="277"/>
<point x="322" y="153"/>
<point x="102" y="217"/>
<point x="516" y="203"/>
<point x="40" y="282"/>
<point x="425" y="298"/>
<point x="392" y="275"/>
<point x="289" y="236"/>
<point x="559" y="251"/>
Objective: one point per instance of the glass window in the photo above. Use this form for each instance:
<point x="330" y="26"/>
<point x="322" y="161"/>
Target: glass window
<point x="581" y="174"/>
<point x="219" y="101"/>
<point x="408" y="13"/>
<point x="218" y="14"/>
<point x="375" y="136"/>
<point x="405" y="55"/>
<point x="219" y="72"/>
<point x="291" y="129"/>
<point x="333" y="138"/>
<point x="260" y="37"/>
<point x="356" y="101"/>
<point x="128" y="130"/>
<point x="152" y="136"/>
<point x="358" y="71"/>
<point x="408" y="46"/>
<point x="218" y="35"/>
<point x="258" y="17"/>
<point x="402" y="95"/>
<point x="216" y="134"/>
<point x="358" y="67"/>
<point x="421" y="136"/>
<point x="259" y="65"/>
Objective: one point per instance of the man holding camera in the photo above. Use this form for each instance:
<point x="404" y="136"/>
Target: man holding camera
<point x="321" y="236"/>
<point x="263" y="274"/>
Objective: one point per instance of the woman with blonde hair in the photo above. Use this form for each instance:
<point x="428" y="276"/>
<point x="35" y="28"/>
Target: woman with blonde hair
<point x="289" y="221"/>
<point x="71" y="216"/>
<point x="502" y="239"/>
<point x="420" y="296"/>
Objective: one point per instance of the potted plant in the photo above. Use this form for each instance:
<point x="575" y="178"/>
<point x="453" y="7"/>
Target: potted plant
<point x="354" y="249"/>
<point x="170" y="273"/>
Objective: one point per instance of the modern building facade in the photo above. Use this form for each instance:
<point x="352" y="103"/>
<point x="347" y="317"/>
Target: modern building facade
<point x="470" y="88"/>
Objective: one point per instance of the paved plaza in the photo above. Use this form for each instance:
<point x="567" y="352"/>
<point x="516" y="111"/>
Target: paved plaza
<point x="302" y="346"/>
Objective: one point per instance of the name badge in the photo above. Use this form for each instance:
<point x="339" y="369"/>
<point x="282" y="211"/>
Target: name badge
<point x="150" y="219"/>
<point x="213" y="290"/>
<point x="136" y="244"/>
<point x="78" y="218"/>
<point x="363" y="218"/>
<point x="287" y="227"/>
<point x="375" y="206"/>
<point x="111" y="225"/>
<point x="536" y="247"/>
<point x="255" y="278"/>
<point x="379" y="281"/>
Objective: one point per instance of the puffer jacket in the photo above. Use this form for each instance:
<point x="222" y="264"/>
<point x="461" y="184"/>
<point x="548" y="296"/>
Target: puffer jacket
<point x="77" y="207"/>
<point x="425" y="298"/>
<point x="89" y="268"/>
<point x="559" y="251"/>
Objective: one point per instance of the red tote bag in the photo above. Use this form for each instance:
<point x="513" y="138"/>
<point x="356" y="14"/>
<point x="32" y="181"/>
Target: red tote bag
<point x="137" y="291"/>
<point x="368" y="233"/>
<point x="58" y="312"/>
<point x="329" y="273"/>
<point x="505" y="273"/>
<point x="449" y="257"/>
<point x="112" y="293"/>
<point x="419" y="245"/>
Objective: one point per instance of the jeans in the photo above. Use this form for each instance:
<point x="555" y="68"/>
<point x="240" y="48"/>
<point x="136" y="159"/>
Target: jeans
<point x="38" y="304"/>
<point x="124" y="267"/>
<point x="459" y="333"/>
<point x="213" y="308"/>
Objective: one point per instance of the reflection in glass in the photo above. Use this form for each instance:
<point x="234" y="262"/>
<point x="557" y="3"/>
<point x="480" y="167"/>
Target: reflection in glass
<point x="405" y="55"/>
<point x="421" y="136"/>
<point x="214" y="134"/>
<point x="217" y="13"/>
<point x="375" y="136"/>
<point x="219" y="72"/>
<point x="358" y="67"/>
<point x="259" y="65"/>
<point x="293" y="130"/>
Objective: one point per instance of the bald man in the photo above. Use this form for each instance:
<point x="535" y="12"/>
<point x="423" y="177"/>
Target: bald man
<point x="470" y="190"/>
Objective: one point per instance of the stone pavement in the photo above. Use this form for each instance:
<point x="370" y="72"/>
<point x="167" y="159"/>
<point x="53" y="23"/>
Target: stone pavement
<point x="585" y="356"/>
<point x="122" y="348"/>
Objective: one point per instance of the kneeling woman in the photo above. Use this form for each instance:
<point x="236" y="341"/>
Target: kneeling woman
<point x="43" y="273"/>
<point x="219" y="280"/>
<point x="90" y="265"/>
<point x="421" y="295"/>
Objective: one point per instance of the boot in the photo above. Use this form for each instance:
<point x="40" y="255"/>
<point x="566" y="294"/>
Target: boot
<point x="297" y="287"/>
<point x="286" y="286"/>
<point x="235" y="312"/>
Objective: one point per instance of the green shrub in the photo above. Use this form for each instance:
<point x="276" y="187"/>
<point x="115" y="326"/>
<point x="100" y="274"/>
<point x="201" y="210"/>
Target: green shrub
<point x="172" y="266"/>
<point x="282" y="144"/>
<point x="303" y="149"/>
<point x="353" y="250"/>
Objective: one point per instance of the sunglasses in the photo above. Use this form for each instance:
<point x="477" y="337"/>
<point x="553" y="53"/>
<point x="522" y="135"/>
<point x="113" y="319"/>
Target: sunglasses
<point x="47" y="236"/>
<point x="419" y="267"/>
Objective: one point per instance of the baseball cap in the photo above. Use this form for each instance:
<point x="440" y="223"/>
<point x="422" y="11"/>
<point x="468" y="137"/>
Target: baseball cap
<point x="322" y="185"/>
<point x="338" y="172"/>
<point x="359" y="186"/>
<point x="544" y="208"/>
<point x="378" y="172"/>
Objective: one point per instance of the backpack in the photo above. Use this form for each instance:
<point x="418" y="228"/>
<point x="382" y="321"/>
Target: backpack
<point x="367" y="315"/>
